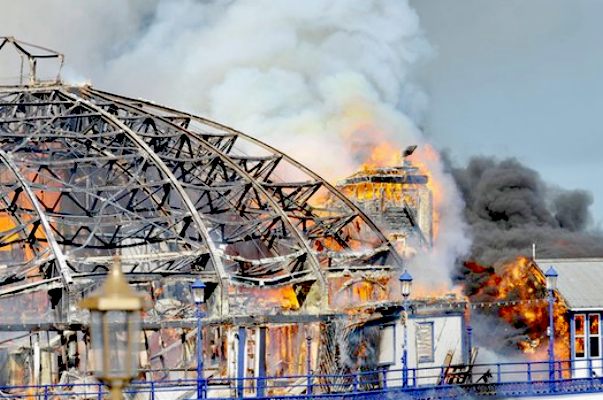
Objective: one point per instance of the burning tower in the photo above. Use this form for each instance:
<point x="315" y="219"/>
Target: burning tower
<point x="397" y="198"/>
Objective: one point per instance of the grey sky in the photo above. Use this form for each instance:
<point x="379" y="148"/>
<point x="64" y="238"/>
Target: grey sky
<point x="519" y="78"/>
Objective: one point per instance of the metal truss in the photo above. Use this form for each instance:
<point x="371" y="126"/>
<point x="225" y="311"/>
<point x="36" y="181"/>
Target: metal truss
<point x="30" y="57"/>
<point x="87" y="174"/>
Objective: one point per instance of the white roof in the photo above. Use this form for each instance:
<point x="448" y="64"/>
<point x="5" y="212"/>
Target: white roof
<point x="580" y="280"/>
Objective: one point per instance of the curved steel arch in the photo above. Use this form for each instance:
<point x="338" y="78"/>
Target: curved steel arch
<point x="298" y="249"/>
<point x="216" y="261"/>
<point x="314" y="263"/>
<point x="272" y="150"/>
<point x="54" y="245"/>
<point x="77" y="147"/>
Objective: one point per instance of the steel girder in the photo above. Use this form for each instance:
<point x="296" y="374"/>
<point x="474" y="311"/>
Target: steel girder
<point x="88" y="174"/>
<point x="301" y="199"/>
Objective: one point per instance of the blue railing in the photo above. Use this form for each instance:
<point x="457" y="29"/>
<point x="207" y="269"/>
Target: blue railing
<point x="511" y="379"/>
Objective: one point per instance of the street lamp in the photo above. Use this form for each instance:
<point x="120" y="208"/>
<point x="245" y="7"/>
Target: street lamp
<point x="551" y="285"/>
<point x="405" y="284"/>
<point x="115" y="327"/>
<point x="198" y="290"/>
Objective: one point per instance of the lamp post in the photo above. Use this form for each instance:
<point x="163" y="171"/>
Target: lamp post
<point x="309" y="364"/>
<point x="405" y="284"/>
<point x="115" y="327"/>
<point x="551" y="285"/>
<point x="198" y="290"/>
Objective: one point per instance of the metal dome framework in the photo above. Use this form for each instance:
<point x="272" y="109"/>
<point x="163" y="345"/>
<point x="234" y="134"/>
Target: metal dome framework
<point x="87" y="175"/>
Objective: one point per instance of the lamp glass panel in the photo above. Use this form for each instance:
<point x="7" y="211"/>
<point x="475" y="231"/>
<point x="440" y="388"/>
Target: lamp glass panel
<point x="134" y="337"/>
<point x="118" y="344"/>
<point x="96" y="353"/>
<point x="198" y="295"/>
<point x="406" y="288"/>
<point x="115" y="344"/>
<point x="551" y="282"/>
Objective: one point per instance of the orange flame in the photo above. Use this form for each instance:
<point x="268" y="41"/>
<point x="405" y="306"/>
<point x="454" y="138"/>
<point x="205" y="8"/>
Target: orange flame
<point x="382" y="155"/>
<point x="424" y="159"/>
<point x="283" y="298"/>
<point x="349" y="292"/>
<point x="518" y="281"/>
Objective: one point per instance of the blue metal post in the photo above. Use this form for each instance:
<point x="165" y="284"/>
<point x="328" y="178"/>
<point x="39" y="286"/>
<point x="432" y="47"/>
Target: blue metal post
<point x="198" y="292"/>
<point x="530" y="386"/>
<point x="551" y="299"/>
<point x="200" y="378"/>
<point x="405" y="286"/>
<point x="261" y="381"/>
<point x="551" y="284"/>
<point x="469" y="343"/>
<point x="241" y="362"/>
<point x="405" y="350"/>
<point x="309" y="365"/>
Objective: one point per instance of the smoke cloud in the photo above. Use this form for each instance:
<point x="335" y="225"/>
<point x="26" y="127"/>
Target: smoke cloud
<point x="313" y="78"/>
<point x="509" y="207"/>
<point x="323" y="81"/>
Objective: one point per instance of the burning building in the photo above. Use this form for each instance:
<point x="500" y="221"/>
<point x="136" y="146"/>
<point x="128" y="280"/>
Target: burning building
<point x="397" y="198"/>
<point x="515" y="292"/>
<point x="579" y="289"/>
<point x="292" y="283"/>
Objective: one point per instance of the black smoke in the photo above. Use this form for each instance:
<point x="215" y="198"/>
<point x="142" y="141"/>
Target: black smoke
<point x="509" y="207"/>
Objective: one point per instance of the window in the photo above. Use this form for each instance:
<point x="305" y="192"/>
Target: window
<point x="387" y="345"/>
<point x="579" y="336"/>
<point x="425" y="350"/>
<point x="593" y="335"/>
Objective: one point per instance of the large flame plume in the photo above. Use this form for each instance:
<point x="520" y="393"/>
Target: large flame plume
<point x="519" y="284"/>
<point x="388" y="154"/>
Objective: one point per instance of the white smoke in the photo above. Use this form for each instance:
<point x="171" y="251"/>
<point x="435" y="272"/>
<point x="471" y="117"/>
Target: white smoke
<point x="322" y="80"/>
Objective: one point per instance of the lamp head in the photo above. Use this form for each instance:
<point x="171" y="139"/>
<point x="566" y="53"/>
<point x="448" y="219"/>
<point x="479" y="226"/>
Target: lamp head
<point x="551" y="278"/>
<point x="406" y="283"/>
<point x="198" y="290"/>
<point x="115" y="327"/>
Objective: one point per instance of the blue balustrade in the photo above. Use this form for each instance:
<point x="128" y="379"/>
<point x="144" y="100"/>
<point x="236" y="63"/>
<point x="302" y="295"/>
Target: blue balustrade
<point x="500" y="379"/>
